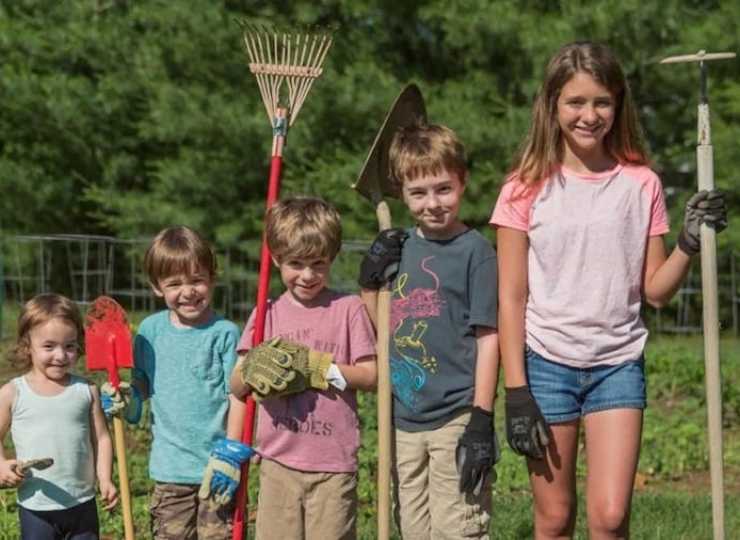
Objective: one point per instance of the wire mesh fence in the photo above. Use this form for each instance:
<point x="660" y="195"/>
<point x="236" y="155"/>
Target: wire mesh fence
<point x="83" y="267"/>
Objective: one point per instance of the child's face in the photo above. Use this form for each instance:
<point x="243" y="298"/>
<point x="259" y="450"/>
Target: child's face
<point x="304" y="278"/>
<point x="586" y="111"/>
<point x="188" y="296"/>
<point x="54" y="349"/>
<point x="434" y="202"/>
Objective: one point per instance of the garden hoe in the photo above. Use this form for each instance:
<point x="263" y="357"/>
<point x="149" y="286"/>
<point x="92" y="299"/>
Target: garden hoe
<point x="276" y="57"/>
<point x="374" y="183"/>
<point x="108" y="347"/>
<point x="705" y="174"/>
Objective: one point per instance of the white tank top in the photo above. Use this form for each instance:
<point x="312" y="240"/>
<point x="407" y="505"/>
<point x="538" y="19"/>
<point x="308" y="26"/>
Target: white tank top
<point x="57" y="427"/>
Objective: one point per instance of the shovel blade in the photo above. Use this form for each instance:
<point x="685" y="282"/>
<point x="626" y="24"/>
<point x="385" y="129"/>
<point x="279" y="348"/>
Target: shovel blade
<point x="375" y="180"/>
<point x="107" y="336"/>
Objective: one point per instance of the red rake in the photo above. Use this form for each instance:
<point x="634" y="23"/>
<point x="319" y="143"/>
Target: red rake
<point x="108" y="347"/>
<point x="277" y="59"/>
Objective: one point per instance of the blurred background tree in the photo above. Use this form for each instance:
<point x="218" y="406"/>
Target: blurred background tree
<point x="120" y="117"/>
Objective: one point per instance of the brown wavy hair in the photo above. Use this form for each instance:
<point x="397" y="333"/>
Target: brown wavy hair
<point x="39" y="310"/>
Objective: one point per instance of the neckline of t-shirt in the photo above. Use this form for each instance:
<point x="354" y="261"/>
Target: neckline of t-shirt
<point x="440" y="241"/>
<point x="194" y="328"/>
<point x="595" y="176"/>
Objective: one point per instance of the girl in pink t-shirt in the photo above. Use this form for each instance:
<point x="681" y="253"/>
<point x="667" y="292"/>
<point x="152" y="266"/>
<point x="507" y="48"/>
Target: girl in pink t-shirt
<point x="580" y="225"/>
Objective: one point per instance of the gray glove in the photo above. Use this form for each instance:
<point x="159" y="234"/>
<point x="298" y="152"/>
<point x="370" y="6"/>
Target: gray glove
<point x="703" y="207"/>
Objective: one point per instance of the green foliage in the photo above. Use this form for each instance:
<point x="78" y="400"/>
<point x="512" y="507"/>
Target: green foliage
<point x="122" y="117"/>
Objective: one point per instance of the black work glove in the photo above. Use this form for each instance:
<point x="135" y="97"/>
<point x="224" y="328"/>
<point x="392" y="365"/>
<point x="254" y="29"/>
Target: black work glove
<point x="380" y="264"/>
<point x="703" y="207"/>
<point x="477" y="452"/>
<point x="526" y="429"/>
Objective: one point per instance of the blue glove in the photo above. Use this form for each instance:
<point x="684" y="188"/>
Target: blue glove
<point x="222" y="474"/>
<point x="126" y="399"/>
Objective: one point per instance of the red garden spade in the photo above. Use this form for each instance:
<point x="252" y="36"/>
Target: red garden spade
<point x="108" y="347"/>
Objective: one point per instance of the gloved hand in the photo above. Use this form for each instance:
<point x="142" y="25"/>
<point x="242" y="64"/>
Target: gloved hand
<point x="380" y="264"/>
<point x="703" y="207"/>
<point x="222" y="474"/>
<point x="279" y="367"/>
<point x="526" y="428"/>
<point x="477" y="452"/>
<point x="126" y="399"/>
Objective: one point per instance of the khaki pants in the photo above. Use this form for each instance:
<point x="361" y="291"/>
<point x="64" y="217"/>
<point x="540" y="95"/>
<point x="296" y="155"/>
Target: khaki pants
<point x="428" y="502"/>
<point x="178" y="514"/>
<point x="296" y="505"/>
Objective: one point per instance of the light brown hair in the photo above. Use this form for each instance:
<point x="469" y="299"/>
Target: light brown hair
<point x="303" y="227"/>
<point x="39" y="310"/>
<point x="426" y="149"/>
<point x="178" y="250"/>
<point x="542" y="150"/>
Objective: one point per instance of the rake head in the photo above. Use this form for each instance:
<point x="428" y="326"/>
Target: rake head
<point x="277" y="56"/>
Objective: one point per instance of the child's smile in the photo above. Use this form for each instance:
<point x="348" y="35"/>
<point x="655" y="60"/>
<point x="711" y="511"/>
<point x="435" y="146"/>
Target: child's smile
<point x="188" y="296"/>
<point x="434" y="202"/>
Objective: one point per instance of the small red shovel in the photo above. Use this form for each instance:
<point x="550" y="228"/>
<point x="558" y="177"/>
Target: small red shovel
<point x="108" y="347"/>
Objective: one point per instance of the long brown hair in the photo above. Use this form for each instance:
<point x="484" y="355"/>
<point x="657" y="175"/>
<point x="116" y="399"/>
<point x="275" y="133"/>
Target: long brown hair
<point x="542" y="150"/>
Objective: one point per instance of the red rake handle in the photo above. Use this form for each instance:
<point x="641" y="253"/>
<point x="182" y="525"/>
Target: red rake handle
<point x="263" y="289"/>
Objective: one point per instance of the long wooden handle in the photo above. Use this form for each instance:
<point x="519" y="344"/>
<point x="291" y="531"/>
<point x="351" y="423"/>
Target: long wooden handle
<point x="128" y="519"/>
<point x="384" y="394"/>
<point x="710" y="302"/>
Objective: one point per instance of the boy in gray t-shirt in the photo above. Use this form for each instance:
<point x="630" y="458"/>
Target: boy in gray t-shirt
<point x="443" y="342"/>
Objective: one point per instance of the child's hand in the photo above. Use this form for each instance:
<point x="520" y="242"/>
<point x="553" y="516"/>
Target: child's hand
<point x="124" y="400"/>
<point x="704" y="207"/>
<point x="10" y="476"/>
<point x="108" y="494"/>
<point x="223" y="472"/>
<point x="380" y="264"/>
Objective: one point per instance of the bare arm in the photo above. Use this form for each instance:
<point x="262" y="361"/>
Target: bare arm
<point x="239" y="389"/>
<point x="8" y="475"/>
<point x="662" y="276"/>
<point x="361" y="376"/>
<point x="235" y="418"/>
<point x="486" y="367"/>
<point x="103" y="446"/>
<point x="512" y="246"/>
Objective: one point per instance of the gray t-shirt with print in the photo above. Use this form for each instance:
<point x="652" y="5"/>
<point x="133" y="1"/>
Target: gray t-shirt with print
<point x="443" y="291"/>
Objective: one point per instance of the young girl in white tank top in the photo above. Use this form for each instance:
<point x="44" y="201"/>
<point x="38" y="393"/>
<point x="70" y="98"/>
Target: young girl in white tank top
<point x="54" y="414"/>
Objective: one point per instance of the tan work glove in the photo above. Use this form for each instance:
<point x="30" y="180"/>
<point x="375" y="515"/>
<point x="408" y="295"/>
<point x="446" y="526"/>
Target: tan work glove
<point x="279" y="367"/>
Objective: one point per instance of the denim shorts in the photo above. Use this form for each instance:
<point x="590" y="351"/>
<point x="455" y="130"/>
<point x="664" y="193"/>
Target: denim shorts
<point x="565" y="393"/>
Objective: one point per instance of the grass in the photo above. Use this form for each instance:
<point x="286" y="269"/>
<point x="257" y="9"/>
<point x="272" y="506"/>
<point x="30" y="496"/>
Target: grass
<point x="671" y="499"/>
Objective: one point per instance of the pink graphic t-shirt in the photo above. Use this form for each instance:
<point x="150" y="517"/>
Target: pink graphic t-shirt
<point x="315" y="431"/>
<point x="587" y="244"/>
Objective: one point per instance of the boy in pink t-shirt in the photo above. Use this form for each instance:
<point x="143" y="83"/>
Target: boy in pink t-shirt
<point x="309" y="440"/>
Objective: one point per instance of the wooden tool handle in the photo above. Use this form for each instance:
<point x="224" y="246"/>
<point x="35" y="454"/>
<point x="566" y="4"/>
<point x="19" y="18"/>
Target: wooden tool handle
<point x="128" y="519"/>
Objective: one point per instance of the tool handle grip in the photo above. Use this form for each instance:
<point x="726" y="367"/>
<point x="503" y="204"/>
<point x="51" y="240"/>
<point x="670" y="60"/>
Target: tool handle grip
<point x="128" y="520"/>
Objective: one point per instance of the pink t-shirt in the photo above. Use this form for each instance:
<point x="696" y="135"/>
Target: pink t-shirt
<point x="587" y="245"/>
<point x="315" y="431"/>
